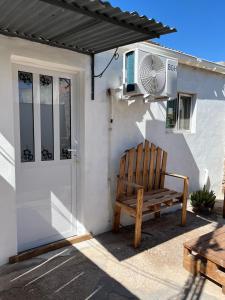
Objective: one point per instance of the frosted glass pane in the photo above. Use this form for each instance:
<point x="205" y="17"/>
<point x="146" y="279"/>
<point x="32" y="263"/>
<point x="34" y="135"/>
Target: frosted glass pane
<point x="65" y="117"/>
<point x="26" y="116"/>
<point x="184" y="112"/>
<point x="46" y="107"/>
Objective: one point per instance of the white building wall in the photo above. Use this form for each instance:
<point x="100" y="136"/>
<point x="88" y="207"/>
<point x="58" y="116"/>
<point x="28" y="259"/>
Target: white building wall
<point x="7" y="161"/>
<point x="192" y="154"/>
<point x="100" y="145"/>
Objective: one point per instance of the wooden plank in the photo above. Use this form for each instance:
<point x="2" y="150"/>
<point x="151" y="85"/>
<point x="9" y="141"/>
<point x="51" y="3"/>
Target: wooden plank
<point x="146" y="165"/>
<point x="131" y="156"/>
<point x="49" y="247"/>
<point x="163" y="170"/>
<point x="150" y="210"/>
<point x="206" y="237"/>
<point x="146" y="194"/>
<point x="138" y="171"/>
<point x="154" y="199"/>
<point x="152" y="202"/>
<point x="184" y="202"/>
<point x="213" y="249"/>
<point x="156" y="196"/>
<point x="210" y="246"/>
<point x="126" y="208"/>
<point x="122" y="171"/>
<point x="196" y="264"/>
<point x="169" y="193"/>
<point x="138" y="220"/>
<point x="224" y="203"/>
<point x="152" y="167"/>
<point x="158" y="168"/>
<point x="190" y="262"/>
<point x="117" y="213"/>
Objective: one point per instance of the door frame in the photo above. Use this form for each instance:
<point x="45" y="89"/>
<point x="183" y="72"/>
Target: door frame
<point x="60" y="71"/>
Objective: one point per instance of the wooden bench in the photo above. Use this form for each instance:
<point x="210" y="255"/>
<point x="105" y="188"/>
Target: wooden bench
<point x="140" y="186"/>
<point x="206" y="255"/>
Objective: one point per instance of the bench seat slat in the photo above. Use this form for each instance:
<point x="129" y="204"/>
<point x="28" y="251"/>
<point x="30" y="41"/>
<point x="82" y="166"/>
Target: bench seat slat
<point x="164" y="200"/>
<point x="125" y="199"/>
<point x="157" y="194"/>
<point x="153" y="198"/>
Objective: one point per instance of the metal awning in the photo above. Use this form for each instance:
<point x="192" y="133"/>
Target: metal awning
<point x="86" y="26"/>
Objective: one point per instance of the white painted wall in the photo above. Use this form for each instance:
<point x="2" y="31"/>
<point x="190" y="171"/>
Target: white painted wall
<point x="100" y="146"/>
<point x="188" y="153"/>
<point x="7" y="161"/>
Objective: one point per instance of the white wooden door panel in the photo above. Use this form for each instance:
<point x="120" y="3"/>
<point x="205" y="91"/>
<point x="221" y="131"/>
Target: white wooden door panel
<point x="46" y="202"/>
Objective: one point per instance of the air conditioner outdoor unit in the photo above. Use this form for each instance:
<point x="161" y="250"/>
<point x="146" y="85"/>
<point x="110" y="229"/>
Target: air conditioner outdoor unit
<point x="149" y="76"/>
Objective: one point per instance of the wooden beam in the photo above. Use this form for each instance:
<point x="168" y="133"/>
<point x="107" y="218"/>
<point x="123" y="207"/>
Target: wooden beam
<point x="49" y="247"/>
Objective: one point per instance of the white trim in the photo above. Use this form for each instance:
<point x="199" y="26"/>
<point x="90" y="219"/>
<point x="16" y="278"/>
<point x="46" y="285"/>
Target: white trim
<point x="41" y="64"/>
<point x="178" y="115"/>
<point x="176" y="129"/>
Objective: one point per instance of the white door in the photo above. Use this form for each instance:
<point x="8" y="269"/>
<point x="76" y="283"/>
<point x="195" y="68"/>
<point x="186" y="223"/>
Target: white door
<point x="45" y="166"/>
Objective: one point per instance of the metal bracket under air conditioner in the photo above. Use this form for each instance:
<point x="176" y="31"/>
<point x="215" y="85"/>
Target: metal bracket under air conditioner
<point x="93" y="76"/>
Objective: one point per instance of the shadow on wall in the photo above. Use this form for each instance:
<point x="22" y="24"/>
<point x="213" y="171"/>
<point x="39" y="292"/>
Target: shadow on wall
<point x="206" y="84"/>
<point x="137" y="121"/>
<point x="180" y="159"/>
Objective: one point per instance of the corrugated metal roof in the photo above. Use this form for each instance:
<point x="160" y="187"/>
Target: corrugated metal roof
<point x="86" y="26"/>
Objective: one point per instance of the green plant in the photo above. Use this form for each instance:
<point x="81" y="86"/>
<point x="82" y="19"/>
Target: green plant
<point x="203" y="200"/>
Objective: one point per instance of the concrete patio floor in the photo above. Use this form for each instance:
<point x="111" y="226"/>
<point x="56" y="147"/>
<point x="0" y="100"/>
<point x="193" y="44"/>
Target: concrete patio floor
<point x="107" y="267"/>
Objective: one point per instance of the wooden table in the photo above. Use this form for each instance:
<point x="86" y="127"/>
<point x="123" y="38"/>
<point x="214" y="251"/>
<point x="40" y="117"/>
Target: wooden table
<point x="206" y="255"/>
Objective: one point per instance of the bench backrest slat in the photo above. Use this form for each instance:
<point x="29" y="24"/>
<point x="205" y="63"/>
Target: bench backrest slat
<point x="158" y="168"/>
<point x="145" y="166"/>
<point x="163" y="169"/>
<point x="146" y="158"/>
<point x="138" y="164"/>
<point x="130" y="173"/>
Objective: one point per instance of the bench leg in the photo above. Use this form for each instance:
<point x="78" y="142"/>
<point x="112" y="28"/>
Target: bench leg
<point x="184" y="203"/>
<point x="138" y="219"/>
<point x="117" y="213"/>
<point x="157" y="214"/>
<point x="224" y="204"/>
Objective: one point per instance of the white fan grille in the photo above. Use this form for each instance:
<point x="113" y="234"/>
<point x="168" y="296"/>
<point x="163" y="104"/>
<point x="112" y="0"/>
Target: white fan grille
<point x="152" y="74"/>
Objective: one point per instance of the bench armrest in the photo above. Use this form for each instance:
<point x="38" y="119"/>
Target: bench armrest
<point x="176" y="175"/>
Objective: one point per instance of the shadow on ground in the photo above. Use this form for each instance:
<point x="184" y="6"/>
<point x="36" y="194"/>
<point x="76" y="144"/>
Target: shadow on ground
<point x="154" y="232"/>
<point x="69" y="275"/>
<point x="108" y="267"/>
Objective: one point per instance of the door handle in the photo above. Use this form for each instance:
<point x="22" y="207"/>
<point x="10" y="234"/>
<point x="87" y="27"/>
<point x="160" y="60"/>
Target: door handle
<point x="74" y="151"/>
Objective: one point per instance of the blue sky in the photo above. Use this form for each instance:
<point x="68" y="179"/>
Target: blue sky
<point x="200" y="24"/>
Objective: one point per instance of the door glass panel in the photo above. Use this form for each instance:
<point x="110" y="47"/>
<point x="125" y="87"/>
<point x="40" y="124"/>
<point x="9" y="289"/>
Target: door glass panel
<point x="184" y="112"/>
<point x="65" y="117"/>
<point x="46" y="108"/>
<point x="26" y="116"/>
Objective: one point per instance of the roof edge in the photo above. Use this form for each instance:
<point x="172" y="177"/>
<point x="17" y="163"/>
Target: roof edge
<point x="187" y="59"/>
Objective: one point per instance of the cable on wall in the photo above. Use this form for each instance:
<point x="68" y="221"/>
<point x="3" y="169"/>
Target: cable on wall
<point x="115" y="56"/>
